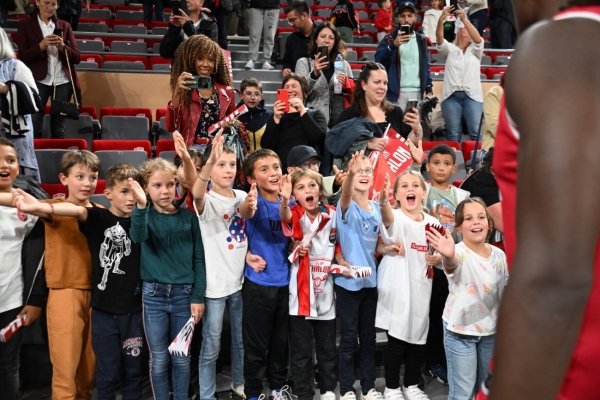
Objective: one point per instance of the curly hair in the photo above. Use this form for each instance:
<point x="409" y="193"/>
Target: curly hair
<point x="186" y="55"/>
<point x="339" y="46"/>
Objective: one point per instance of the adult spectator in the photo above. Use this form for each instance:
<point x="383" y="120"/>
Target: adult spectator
<point x="181" y="27"/>
<point x="22" y="7"/>
<point x="45" y="54"/>
<point x="193" y="111"/>
<point x="296" y="45"/>
<point x="491" y="112"/>
<point x="159" y="10"/>
<point x="461" y="94"/>
<point x="70" y="11"/>
<point x="477" y="13"/>
<point x="263" y="18"/>
<point x="219" y="10"/>
<point x="298" y="126"/>
<point x="370" y="102"/>
<point x="503" y="30"/>
<point x="343" y="17"/>
<point x="406" y="58"/>
<point x="12" y="69"/>
<point x="320" y="75"/>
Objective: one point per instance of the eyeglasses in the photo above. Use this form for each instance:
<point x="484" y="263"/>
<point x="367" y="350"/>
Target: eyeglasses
<point x="251" y="95"/>
<point x="48" y="4"/>
<point x="309" y="164"/>
<point x="365" y="172"/>
<point x="292" y="21"/>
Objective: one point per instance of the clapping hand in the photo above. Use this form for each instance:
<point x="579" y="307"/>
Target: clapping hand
<point x="354" y="164"/>
<point x="340" y="176"/>
<point x="385" y="191"/>
<point x="217" y="148"/>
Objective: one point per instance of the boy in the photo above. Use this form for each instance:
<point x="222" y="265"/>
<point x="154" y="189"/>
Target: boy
<point x="383" y="22"/>
<point x="22" y="287"/>
<point x="357" y="221"/>
<point x="441" y="201"/>
<point x="117" y="329"/>
<point x="255" y="120"/>
<point x="265" y="293"/>
<point x="223" y="231"/>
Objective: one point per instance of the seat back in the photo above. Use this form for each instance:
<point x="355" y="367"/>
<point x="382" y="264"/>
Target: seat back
<point x="75" y="129"/>
<point x="131" y="29"/>
<point x="119" y="46"/>
<point x="125" y="128"/>
<point x="136" y="145"/>
<point x="86" y="65"/>
<point x="92" y="27"/>
<point x="49" y="164"/>
<point x="168" y="155"/>
<point x="96" y="46"/>
<point x="100" y="199"/>
<point x="64" y="144"/>
<point x="108" y="158"/>
<point x="130" y="15"/>
<point x="124" y="65"/>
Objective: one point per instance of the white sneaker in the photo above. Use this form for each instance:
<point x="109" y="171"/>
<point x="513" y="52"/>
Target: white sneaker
<point x="414" y="393"/>
<point x="238" y="389"/>
<point x="373" y="395"/>
<point x="348" y="396"/>
<point x="285" y="393"/>
<point x="393" y="394"/>
<point x="328" y="396"/>
<point x="249" y="65"/>
<point x="267" y="66"/>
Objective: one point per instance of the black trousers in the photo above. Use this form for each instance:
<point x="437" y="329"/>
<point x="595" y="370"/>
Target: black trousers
<point x="265" y="323"/>
<point x="119" y="344"/>
<point x="502" y="33"/>
<point x="436" y="354"/>
<point x="9" y="358"/>
<point x="221" y="17"/>
<point x="302" y="332"/>
<point x="72" y="19"/>
<point x="397" y="351"/>
<point x="64" y="92"/>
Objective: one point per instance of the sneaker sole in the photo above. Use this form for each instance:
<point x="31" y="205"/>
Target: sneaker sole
<point x="432" y="374"/>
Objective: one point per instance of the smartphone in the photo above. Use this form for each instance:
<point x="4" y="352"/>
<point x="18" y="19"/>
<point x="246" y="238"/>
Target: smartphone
<point x="411" y="106"/>
<point x="204" y="82"/>
<point x="176" y="6"/>
<point x="324" y="51"/>
<point x="283" y="96"/>
<point x="195" y="84"/>
<point x="454" y="3"/>
<point x="58" y="32"/>
<point x="405" y="29"/>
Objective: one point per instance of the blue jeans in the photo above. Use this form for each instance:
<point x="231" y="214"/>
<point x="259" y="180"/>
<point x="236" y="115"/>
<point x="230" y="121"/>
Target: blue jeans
<point x="166" y="310"/>
<point x="212" y="321"/>
<point x="468" y="362"/>
<point x="460" y="105"/>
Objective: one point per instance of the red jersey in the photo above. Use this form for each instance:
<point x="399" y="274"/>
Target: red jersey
<point x="581" y="379"/>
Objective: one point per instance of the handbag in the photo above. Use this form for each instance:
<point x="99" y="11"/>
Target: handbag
<point x="64" y="109"/>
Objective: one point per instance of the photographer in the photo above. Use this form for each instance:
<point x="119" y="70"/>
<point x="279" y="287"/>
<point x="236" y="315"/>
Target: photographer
<point x="406" y="59"/>
<point x="462" y="95"/>
<point x="182" y="26"/>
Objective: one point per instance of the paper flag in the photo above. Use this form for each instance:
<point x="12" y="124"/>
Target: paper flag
<point x="181" y="344"/>
<point x="357" y="272"/>
<point x="11" y="328"/>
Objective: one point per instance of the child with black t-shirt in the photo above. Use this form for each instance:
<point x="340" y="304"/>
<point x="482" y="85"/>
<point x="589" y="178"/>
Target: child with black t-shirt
<point x="117" y="328"/>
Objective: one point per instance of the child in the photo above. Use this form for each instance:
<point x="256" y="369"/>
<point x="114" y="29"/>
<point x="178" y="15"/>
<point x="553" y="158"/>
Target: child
<point x="477" y="275"/>
<point x="383" y="21"/>
<point x="265" y="294"/>
<point x="431" y="18"/>
<point x="172" y="271"/>
<point x="441" y="201"/>
<point x="255" y="120"/>
<point x="183" y="199"/>
<point x="223" y="231"/>
<point x="404" y="288"/>
<point x="311" y="302"/>
<point x="356" y="299"/>
<point x="17" y="277"/>
<point x="117" y="329"/>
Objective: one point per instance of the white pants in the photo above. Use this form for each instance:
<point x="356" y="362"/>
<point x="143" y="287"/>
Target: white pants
<point x="265" y="21"/>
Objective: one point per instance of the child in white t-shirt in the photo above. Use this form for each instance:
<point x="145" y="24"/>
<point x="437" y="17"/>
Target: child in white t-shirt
<point x="312" y="300"/>
<point x="477" y="274"/>
<point x="404" y="284"/>
<point x="224" y="233"/>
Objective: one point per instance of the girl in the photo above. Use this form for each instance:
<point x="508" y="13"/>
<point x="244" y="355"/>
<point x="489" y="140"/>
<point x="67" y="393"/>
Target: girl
<point x="404" y="288"/>
<point x="172" y="271"/>
<point x="477" y="275"/>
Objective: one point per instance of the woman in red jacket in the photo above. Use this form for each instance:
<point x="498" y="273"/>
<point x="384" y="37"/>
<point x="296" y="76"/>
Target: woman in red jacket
<point x="46" y="56"/>
<point x="193" y="111"/>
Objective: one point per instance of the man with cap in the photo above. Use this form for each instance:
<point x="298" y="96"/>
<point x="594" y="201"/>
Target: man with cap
<point x="305" y="157"/>
<point x="406" y="59"/>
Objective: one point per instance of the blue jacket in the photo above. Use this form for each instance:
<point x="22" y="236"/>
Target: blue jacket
<point x="388" y="55"/>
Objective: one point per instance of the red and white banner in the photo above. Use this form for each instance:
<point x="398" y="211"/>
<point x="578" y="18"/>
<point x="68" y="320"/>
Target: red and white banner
<point x="180" y="346"/>
<point x="240" y="110"/>
<point x="11" y="328"/>
<point x="356" y="272"/>
<point x="393" y="160"/>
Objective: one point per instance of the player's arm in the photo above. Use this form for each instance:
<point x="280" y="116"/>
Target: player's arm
<point x="558" y="223"/>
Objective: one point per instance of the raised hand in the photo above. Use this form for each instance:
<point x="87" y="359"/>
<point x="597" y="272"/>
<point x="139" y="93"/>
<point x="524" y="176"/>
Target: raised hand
<point x="285" y="187"/>
<point x="446" y="12"/>
<point x="180" y="147"/>
<point x="253" y="197"/>
<point x="340" y="176"/>
<point x="416" y="151"/>
<point x="385" y="191"/>
<point x="278" y="110"/>
<point x="138" y="193"/>
<point x="184" y="79"/>
<point x="217" y="148"/>
<point x="443" y="244"/>
<point x="354" y="164"/>
<point x="320" y="64"/>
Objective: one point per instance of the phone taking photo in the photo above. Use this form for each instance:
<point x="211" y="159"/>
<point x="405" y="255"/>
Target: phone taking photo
<point x="176" y="7"/>
<point x="411" y="107"/>
<point x="454" y="3"/>
<point x="324" y="51"/>
<point x="284" y="97"/>
<point x="405" y="29"/>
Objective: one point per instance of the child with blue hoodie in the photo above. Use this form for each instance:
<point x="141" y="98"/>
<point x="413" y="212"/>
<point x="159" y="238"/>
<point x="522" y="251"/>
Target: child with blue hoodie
<point x="255" y="120"/>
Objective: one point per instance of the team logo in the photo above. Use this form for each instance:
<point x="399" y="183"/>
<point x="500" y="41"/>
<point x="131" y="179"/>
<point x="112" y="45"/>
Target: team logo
<point x="332" y="235"/>
<point x="133" y="346"/>
<point x="22" y="216"/>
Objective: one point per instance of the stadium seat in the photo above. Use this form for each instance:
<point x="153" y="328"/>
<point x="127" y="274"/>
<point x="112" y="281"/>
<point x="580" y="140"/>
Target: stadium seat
<point x="159" y="61"/>
<point x="363" y="16"/>
<point x="100" y="199"/>
<point x="137" y="145"/>
<point x="124" y="65"/>
<point x="57" y="190"/>
<point x="160" y="30"/>
<point x="86" y="65"/>
<point x="63" y="144"/>
<point x="427" y="146"/>
<point x="161" y="67"/>
<point x="369" y="27"/>
<point x="105" y="21"/>
<point x="125" y="128"/>
<point x="351" y="55"/>
<point x="486" y="60"/>
<point x="490" y="72"/>
<point x="98" y="13"/>
<point x="88" y="110"/>
<point x="108" y="158"/>
<point x="92" y="27"/>
<point x="121" y="46"/>
<point x="96" y="58"/>
<point x="130" y="15"/>
<point x="113" y="3"/>
<point x="437" y="59"/>
<point x="502" y="60"/>
<point x="130" y="29"/>
<point x="467" y="148"/>
<point x="168" y="155"/>
<point x="95" y="46"/>
<point x="49" y="164"/>
<point x="363" y="39"/>
<point x="116" y="22"/>
<point x="359" y="4"/>
<point x="368" y="56"/>
<point x="85" y="128"/>
<point x="164" y="145"/>
<point x="126" y="112"/>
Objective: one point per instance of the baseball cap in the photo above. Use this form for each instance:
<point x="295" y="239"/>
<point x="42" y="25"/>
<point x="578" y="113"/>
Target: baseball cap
<point x="406" y="4"/>
<point x="300" y="154"/>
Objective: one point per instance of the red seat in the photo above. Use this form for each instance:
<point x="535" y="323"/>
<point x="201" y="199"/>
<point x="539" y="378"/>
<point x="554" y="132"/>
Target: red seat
<point x="106" y="21"/>
<point x="117" y="21"/>
<point x="127" y="112"/>
<point x="158" y="60"/>
<point x="161" y="112"/>
<point x="430" y="145"/>
<point x="57" y="190"/>
<point x="67" y="144"/>
<point x="164" y="145"/>
<point x="467" y="147"/>
<point x="437" y="68"/>
<point x="490" y="72"/>
<point x="128" y="8"/>
<point x="102" y="7"/>
<point x="92" y="58"/>
<point x="139" y="145"/>
<point x="457" y="183"/>
<point x="84" y="110"/>
<point x="114" y="57"/>
<point x="159" y="24"/>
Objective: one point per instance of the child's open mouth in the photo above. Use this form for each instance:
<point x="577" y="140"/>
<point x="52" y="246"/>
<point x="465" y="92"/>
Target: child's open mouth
<point x="477" y="231"/>
<point x="364" y="181"/>
<point x="411" y="199"/>
<point x="310" y="200"/>
<point x="4" y="175"/>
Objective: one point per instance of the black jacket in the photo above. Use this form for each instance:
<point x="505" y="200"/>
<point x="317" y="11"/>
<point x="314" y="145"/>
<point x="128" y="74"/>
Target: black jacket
<point x="344" y="15"/>
<point x="294" y="47"/>
<point x="502" y="9"/>
<point x="174" y="36"/>
<point x="265" y="4"/>
<point x="254" y="120"/>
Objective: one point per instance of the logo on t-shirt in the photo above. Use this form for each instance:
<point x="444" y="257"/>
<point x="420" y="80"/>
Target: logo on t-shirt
<point x="419" y="248"/>
<point x="237" y="229"/>
<point x="115" y="246"/>
<point x="22" y="216"/>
